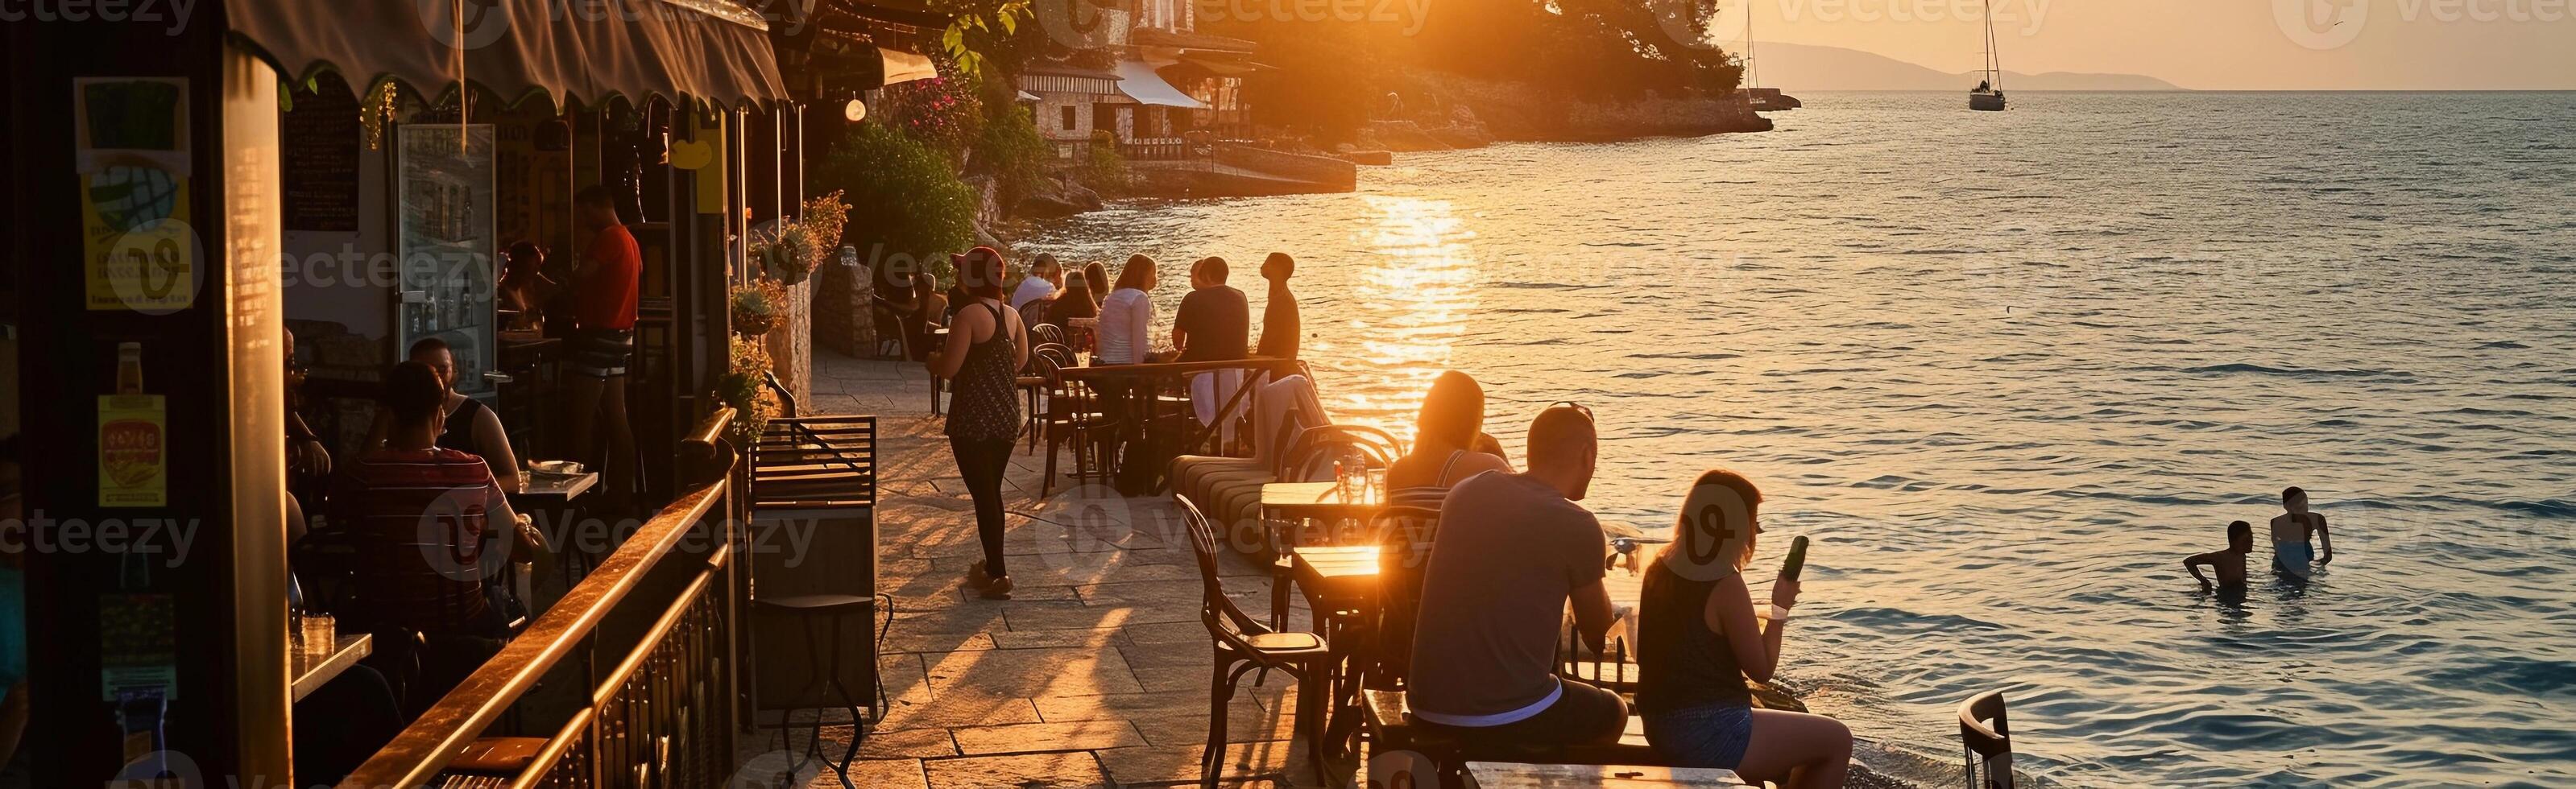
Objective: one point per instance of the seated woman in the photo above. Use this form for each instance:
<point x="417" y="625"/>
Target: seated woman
<point x="1698" y="641"/>
<point x="1445" y="438"/>
<point x="1075" y="303"/>
<point x="471" y="427"/>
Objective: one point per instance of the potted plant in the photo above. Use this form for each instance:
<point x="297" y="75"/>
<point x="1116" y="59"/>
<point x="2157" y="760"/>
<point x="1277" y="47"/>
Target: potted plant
<point x="744" y="387"/>
<point x="758" y="306"/>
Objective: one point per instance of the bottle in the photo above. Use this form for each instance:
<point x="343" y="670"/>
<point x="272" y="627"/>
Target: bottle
<point x="129" y="368"/>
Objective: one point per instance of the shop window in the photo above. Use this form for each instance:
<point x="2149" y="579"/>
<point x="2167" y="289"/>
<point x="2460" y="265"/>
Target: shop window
<point x="1069" y="118"/>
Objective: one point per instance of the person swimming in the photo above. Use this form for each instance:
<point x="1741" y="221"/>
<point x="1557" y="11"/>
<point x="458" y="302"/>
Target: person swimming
<point x="2228" y="564"/>
<point x="2291" y="530"/>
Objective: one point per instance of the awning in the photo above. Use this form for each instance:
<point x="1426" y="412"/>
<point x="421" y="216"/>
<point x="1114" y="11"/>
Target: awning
<point x="1222" y="67"/>
<point x="901" y="66"/>
<point x="1158" y="37"/>
<point x="1138" y="81"/>
<point x="707" y="50"/>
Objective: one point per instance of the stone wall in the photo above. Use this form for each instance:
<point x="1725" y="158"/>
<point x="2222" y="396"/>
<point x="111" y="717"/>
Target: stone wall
<point x="791" y="343"/>
<point x="1324" y="170"/>
<point x="839" y="310"/>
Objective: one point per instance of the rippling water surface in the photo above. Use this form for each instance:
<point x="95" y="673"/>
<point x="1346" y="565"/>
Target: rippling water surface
<point x="2008" y="369"/>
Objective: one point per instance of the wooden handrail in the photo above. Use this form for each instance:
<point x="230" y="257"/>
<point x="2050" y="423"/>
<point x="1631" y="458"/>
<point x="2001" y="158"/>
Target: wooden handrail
<point x="424" y="749"/>
<point x="1178" y="368"/>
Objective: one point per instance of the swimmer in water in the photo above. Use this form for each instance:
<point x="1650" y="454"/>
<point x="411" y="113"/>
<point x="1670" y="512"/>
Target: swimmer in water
<point x="2228" y="564"/>
<point x="2291" y="531"/>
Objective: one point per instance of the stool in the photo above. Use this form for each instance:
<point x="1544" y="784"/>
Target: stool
<point x="806" y="609"/>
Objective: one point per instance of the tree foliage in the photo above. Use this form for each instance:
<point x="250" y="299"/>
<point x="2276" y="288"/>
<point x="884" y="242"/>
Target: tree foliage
<point x="904" y="197"/>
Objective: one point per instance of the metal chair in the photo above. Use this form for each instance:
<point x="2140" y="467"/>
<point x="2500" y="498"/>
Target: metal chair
<point x="1311" y="458"/>
<point x="1989" y="747"/>
<point x="892" y="341"/>
<point x="1243" y="645"/>
<point x="1047" y="332"/>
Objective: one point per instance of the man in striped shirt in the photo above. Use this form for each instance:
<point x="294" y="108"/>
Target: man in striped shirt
<point x="431" y="526"/>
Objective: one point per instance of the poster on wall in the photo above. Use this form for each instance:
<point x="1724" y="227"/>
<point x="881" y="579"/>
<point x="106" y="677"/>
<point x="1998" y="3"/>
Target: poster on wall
<point x="444" y="227"/>
<point x="318" y="158"/>
<point x="133" y="468"/>
<point x="130" y="145"/>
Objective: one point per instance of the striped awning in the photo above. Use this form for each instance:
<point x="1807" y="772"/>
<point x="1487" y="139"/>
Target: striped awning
<point x="711" y="51"/>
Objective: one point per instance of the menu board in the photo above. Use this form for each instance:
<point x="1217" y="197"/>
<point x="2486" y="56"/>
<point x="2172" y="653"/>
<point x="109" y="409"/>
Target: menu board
<point x="319" y="159"/>
<point x="443" y="217"/>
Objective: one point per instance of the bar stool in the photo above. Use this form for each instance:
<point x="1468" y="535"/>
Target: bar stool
<point x="806" y="609"/>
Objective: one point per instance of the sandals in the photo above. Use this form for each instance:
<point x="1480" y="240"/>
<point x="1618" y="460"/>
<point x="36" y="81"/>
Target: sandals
<point x="987" y="586"/>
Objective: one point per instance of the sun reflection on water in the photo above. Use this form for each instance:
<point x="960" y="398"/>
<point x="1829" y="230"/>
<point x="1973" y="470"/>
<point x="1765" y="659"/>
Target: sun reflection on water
<point x="1412" y="300"/>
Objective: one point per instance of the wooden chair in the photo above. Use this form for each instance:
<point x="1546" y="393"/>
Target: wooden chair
<point x="1243" y="645"/>
<point x="1071" y="415"/>
<point x="1989" y="747"/>
<point x="1046" y="332"/>
<point x="892" y="341"/>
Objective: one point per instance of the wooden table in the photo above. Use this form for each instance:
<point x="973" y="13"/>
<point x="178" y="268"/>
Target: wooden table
<point x="1321" y="500"/>
<point x="1340" y="583"/>
<point x="312" y="670"/>
<point x="554" y="489"/>
<point x="1499" y="775"/>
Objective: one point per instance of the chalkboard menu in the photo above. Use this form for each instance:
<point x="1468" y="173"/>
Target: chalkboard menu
<point x="319" y="159"/>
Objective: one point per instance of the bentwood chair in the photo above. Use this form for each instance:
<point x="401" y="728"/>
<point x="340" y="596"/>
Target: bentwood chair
<point x="1046" y="332"/>
<point x="1071" y="415"/>
<point x="1311" y="458"/>
<point x="1989" y="746"/>
<point x="1243" y="645"/>
<point x="892" y="341"/>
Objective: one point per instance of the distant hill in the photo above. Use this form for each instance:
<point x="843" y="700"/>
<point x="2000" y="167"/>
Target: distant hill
<point x="1803" y="67"/>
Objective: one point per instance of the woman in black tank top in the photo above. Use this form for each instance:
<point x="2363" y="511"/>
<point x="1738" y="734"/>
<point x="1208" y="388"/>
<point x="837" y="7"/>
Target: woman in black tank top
<point x="1698" y="641"/>
<point x="986" y="348"/>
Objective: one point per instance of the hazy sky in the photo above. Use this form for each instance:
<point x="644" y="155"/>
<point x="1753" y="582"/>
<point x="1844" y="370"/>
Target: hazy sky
<point x="2212" y="44"/>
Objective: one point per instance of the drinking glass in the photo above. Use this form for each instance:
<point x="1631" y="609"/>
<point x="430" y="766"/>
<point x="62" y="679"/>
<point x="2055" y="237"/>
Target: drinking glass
<point x="321" y="634"/>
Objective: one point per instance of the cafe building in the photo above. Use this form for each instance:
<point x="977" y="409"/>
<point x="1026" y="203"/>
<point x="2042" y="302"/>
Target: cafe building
<point x="224" y="226"/>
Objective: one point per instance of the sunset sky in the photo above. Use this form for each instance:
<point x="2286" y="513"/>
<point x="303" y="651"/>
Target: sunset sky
<point x="2213" y="44"/>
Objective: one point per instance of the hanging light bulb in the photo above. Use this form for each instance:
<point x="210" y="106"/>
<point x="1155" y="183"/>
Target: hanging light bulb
<point x="856" y="110"/>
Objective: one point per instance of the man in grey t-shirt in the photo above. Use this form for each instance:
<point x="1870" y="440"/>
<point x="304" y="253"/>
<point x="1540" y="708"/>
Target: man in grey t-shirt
<point x="1512" y="550"/>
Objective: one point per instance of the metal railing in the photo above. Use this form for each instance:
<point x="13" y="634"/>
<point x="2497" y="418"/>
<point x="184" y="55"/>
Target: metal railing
<point x="658" y="710"/>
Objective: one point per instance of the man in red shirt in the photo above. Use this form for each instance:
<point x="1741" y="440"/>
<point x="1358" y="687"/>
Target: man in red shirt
<point x="603" y="339"/>
<point x="430" y="524"/>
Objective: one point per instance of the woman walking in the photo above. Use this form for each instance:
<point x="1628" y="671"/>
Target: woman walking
<point x="986" y="347"/>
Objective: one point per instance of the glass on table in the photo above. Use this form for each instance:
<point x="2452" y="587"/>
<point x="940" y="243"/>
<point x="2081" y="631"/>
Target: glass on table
<point x="321" y="633"/>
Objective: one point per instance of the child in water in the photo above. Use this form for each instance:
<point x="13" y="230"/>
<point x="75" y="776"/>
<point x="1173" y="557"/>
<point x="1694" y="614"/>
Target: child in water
<point x="2230" y="563"/>
<point x="2291" y="531"/>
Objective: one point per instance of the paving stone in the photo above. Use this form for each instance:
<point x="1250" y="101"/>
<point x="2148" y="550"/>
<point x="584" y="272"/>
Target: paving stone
<point x="1035" y="737"/>
<point x="1124" y="706"/>
<point x="960" y="708"/>
<point x="1032" y="672"/>
<point x="1086" y="617"/>
<point x="906" y="744"/>
<point x="1069" y="637"/>
<point x="1077" y="770"/>
<point x="1151" y="766"/>
<point x="937" y="642"/>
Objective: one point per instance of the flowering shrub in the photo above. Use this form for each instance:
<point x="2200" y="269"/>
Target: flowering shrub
<point x="942" y="112"/>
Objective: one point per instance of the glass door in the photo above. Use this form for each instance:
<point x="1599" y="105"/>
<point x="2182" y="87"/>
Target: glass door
<point x="446" y="242"/>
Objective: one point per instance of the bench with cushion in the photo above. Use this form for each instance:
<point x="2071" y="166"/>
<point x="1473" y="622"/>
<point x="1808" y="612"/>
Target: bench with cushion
<point x="1391" y="725"/>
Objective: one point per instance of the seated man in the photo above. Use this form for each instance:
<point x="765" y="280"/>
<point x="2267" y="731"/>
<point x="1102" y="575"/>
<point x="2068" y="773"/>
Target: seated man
<point x="1511" y="551"/>
<point x="472" y="428"/>
<point x="431" y="527"/>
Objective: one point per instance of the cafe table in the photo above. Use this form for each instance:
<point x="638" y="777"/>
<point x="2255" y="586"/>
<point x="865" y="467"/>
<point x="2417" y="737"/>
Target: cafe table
<point x="316" y="668"/>
<point x="1341" y="586"/>
<point x="540" y="489"/>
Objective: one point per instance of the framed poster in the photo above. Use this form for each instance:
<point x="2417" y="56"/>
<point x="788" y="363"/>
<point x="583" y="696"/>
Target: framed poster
<point x="444" y="232"/>
<point x="131" y="146"/>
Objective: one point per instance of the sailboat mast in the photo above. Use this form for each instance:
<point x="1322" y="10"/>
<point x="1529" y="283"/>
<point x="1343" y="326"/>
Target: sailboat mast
<point x="1752" y="69"/>
<point x="1994" y="60"/>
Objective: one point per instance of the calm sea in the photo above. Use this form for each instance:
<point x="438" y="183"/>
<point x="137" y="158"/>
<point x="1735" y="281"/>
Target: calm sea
<point x="2008" y="369"/>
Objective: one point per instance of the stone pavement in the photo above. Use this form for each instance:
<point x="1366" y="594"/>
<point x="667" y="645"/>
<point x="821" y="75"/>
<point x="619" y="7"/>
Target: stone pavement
<point x="1094" y="674"/>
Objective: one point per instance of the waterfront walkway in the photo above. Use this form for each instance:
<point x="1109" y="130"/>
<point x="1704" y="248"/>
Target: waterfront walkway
<point x="1094" y="674"/>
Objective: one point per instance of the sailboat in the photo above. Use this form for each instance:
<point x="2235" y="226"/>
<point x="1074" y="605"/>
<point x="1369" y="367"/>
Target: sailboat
<point x="1762" y="99"/>
<point x="1989" y="95"/>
